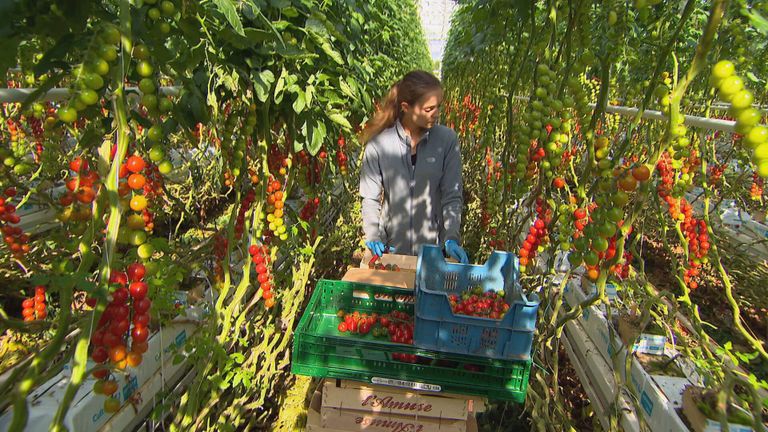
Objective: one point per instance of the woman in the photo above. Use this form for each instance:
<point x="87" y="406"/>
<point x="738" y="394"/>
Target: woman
<point x="410" y="180"/>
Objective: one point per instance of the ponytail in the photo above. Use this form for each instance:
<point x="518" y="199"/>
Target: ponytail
<point x="410" y="89"/>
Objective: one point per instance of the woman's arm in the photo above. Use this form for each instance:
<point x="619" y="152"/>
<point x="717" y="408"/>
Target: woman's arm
<point x="451" y="188"/>
<point x="371" y="185"/>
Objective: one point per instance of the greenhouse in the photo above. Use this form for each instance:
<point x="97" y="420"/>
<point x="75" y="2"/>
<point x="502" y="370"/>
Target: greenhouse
<point x="384" y="216"/>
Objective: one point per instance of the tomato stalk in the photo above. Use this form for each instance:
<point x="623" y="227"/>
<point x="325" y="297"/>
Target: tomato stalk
<point x="737" y="321"/>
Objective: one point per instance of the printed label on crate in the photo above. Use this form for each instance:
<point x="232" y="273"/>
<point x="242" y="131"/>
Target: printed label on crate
<point x="406" y="384"/>
<point x="351" y="420"/>
<point x="647" y="403"/>
<point x="393" y="401"/>
<point x="130" y="387"/>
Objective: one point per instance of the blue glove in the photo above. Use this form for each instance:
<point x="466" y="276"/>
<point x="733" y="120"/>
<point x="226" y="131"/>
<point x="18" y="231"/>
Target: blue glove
<point x="376" y="247"/>
<point x="456" y="252"/>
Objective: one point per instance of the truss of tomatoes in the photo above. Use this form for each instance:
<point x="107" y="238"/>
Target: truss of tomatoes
<point x="126" y="317"/>
<point x="396" y="325"/>
<point x="475" y="302"/>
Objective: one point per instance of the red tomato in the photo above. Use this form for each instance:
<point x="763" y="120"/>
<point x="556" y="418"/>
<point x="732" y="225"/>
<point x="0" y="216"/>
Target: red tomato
<point x="135" y="164"/>
<point x="140" y="334"/>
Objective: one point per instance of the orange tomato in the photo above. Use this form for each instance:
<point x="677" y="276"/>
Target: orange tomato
<point x="134" y="359"/>
<point x="109" y="387"/>
<point x="593" y="274"/>
<point x="86" y="195"/>
<point x="641" y="173"/>
<point x="136" y="181"/>
<point x="117" y="353"/>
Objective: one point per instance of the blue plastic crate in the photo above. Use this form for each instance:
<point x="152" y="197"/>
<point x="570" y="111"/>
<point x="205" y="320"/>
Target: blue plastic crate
<point x="438" y="328"/>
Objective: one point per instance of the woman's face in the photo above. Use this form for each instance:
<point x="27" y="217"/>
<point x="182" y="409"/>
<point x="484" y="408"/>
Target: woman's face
<point x="425" y="112"/>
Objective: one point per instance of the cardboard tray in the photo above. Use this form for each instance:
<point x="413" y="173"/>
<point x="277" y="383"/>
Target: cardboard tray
<point x="347" y="421"/>
<point x="345" y="394"/>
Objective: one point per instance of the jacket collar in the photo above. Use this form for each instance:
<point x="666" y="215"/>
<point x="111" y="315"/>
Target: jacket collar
<point x="404" y="138"/>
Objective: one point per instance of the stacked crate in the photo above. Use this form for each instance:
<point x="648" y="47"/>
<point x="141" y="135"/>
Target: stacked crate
<point x="437" y="383"/>
<point x="341" y="405"/>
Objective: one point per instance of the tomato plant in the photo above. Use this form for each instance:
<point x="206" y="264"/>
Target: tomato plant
<point x="188" y="133"/>
<point x="551" y="170"/>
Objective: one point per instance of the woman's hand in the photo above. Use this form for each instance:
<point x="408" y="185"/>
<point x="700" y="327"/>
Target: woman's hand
<point x="376" y="247"/>
<point x="456" y="252"/>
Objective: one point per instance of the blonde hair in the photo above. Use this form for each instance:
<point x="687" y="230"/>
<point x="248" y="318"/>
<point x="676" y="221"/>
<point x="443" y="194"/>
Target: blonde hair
<point x="410" y="89"/>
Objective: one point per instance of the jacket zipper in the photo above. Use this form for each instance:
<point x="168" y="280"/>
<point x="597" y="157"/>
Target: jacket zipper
<point x="411" y="234"/>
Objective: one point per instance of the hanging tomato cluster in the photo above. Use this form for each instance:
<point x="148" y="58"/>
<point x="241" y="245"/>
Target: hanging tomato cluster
<point x="756" y="189"/>
<point x="13" y="236"/>
<point x="246" y="205"/>
<point x="468" y="113"/>
<point x="126" y="316"/>
<point x="310" y="208"/>
<point x="537" y="234"/>
<point x="313" y="168"/>
<point x="17" y="158"/>
<point x="260" y="259"/>
<point x="341" y="157"/>
<point x="731" y="88"/>
<point x="716" y="173"/>
<point x="275" y="205"/>
<point x="82" y="188"/>
<point x="91" y="74"/>
<point x="34" y="308"/>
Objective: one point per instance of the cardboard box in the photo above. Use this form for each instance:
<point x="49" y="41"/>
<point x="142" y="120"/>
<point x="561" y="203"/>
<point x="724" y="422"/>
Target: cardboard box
<point x="343" y="394"/>
<point x="401" y="279"/>
<point x="404" y="262"/>
<point x="352" y="420"/>
<point x="314" y="420"/>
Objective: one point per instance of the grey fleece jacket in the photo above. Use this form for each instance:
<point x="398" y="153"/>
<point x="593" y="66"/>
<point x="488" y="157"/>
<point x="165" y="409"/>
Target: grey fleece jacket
<point x="406" y="206"/>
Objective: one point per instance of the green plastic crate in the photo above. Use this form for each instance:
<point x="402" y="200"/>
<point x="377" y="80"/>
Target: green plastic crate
<point x="320" y="350"/>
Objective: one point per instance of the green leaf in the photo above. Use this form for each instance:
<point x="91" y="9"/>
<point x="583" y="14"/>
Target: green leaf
<point x="299" y="103"/>
<point x="298" y="143"/>
<point x="758" y="21"/>
<point x="309" y="91"/>
<point x="328" y="49"/>
<point x="280" y="4"/>
<point x="227" y="7"/>
<point x="290" y="12"/>
<point x="262" y="83"/>
<point x="340" y="119"/>
<point x="752" y="77"/>
<point x="346" y="89"/>
<point x="315" y="142"/>
<point x="160" y="244"/>
<point x="280" y="86"/>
